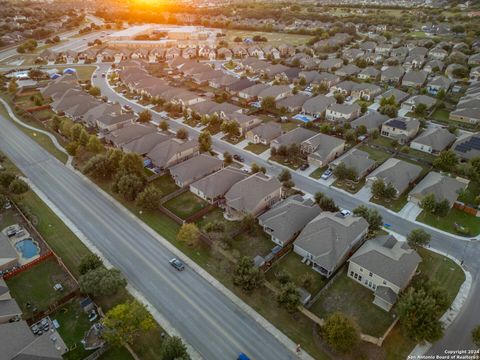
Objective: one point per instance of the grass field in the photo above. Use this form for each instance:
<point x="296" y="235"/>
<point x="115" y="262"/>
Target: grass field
<point x="84" y="72"/>
<point x="35" y="286"/>
<point x="185" y="205"/>
<point x="274" y="39"/>
<point x="447" y="223"/>
<point x="256" y="148"/>
<point x="165" y="184"/>
<point x="252" y="244"/>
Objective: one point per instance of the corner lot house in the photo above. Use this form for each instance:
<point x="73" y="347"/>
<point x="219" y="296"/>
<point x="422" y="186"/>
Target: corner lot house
<point x="264" y="133"/>
<point x="442" y="186"/>
<point x="386" y="266"/>
<point x="328" y="239"/>
<point x="401" y="129"/>
<point x="284" y="221"/>
<point x="433" y="141"/>
<point x="467" y="147"/>
<point x="253" y="196"/>
<point x="397" y="172"/>
<point x="358" y="160"/>
<point x="194" y="169"/>
<point x="213" y="187"/>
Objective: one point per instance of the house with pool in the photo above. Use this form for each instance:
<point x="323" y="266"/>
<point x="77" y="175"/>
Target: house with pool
<point x="18" y="247"/>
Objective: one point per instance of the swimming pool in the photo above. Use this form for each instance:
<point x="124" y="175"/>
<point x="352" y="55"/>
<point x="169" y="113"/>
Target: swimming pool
<point x="28" y="248"/>
<point x="304" y="118"/>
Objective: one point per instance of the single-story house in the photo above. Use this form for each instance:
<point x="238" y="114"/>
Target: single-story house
<point x="371" y="120"/>
<point x="411" y="103"/>
<point x="292" y="103"/>
<point x="321" y="149"/>
<point x="467" y="147"/>
<point x="296" y="136"/>
<point x="264" y="133"/>
<point x="342" y="112"/>
<point x="357" y="160"/>
<point x="414" y="78"/>
<point x="399" y="96"/>
<point x="329" y="239"/>
<point x="433" y="141"/>
<point x="172" y="151"/>
<point x="317" y="105"/>
<point x="129" y="133"/>
<point x="146" y="143"/>
<point x="194" y="169"/>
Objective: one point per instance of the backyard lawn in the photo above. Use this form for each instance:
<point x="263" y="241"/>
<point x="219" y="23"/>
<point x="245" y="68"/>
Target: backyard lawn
<point x="375" y="154"/>
<point x="470" y="194"/>
<point x="216" y="216"/>
<point x="292" y="265"/>
<point x="349" y="297"/>
<point x="7" y="218"/>
<point x="35" y="286"/>
<point x="185" y="205"/>
<point x="289" y="126"/>
<point x="165" y="184"/>
<point x="385" y="142"/>
<point x="252" y="244"/>
<point x="448" y="223"/>
<point x="256" y="148"/>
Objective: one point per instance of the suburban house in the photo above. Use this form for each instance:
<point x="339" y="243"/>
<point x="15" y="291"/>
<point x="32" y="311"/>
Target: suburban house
<point x="414" y="78"/>
<point x="284" y="221"/>
<point x="442" y="186"/>
<point x="129" y="133"/>
<point x="369" y="73"/>
<point x="386" y="266"/>
<point x="371" y="120"/>
<point x="252" y="92"/>
<point x="392" y="75"/>
<point x="252" y="196"/>
<point x="321" y="149"/>
<point x="365" y="91"/>
<point x="401" y="129"/>
<point x="411" y="103"/>
<point x="317" y="105"/>
<point x="172" y="151"/>
<point x="342" y="112"/>
<point x="439" y="83"/>
<point x="245" y="122"/>
<point x="214" y="187"/>
<point x="264" y="133"/>
<point x="194" y="169"/>
<point x="357" y="160"/>
<point x="146" y="143"/>
<point x="398" y="95"/>
<point x="292" y="103"/>
<point x="329" y="239"/>
<point x="400" y="174"/>
<point x="468" y="108"/>
<point x="110" y="122"/>
<point x="9" y="309"/>
<point x="296" y="136"/>
<point x="467" y="147"/>
<point x="433" y="141"/>
<point x="8" y="254"/>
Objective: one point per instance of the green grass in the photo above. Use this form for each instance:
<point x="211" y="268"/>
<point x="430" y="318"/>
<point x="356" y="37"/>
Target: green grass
<point x="252" y="244"/>
<point x="375" y="154"/>
<point x="43" y="140"/>
<point x="289" y="126"/>
<point x="274" y="39"/>
<point x="84" y="72"/>
<point x="318" y="173"/>
<point x="394" y="205"/>
<point x="385" y="142"/>
<point x="216" y="216"/>
<point x="116" y="354"/>
<point x="422" y="155"/>
<point x="351" y="187"/>
<point x="447" y="223"/>
<point x="441" y="115"/>
<point x="351" y="298"/>
<point x="256" y="148"/>
<point x="165" y="184"/>
<point x="292" y="264"/>
<point x="470" y="194"/>
<point x="35" y="286"/>
<point x="7" y="218"/>
<point x="185" y="205"/>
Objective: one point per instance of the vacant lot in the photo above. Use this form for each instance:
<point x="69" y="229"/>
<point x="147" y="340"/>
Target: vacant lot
<point x="274" y="39"/>
<point x="33" y="289"/>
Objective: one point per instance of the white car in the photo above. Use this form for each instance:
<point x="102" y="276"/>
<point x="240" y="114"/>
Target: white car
<point x="326" y="175"/>
<point x="345" y="212"/>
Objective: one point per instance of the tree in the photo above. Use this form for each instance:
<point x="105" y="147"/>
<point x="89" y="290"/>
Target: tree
<point x="189" y="234"/>
<point x="35" y="74"/>
<point x="340" y="333"/>
<point x="100" y="167"/>
<point x="12" y="86"/>
<point x="205" y="141"/>
<point x="340" y="98"/>
<point x="182" y="134"/>
<point x="288" y="297"/>
<point x="420" y="110"/>
<point x="6" y="178"/>
<point x="130" y="163"/>
<point x="102" y="282"/>
<point x="389" y="110"/>
<point x="94" y="91"/>
<point x="476" y="336"/>
<point x="372" y="216"/>
<point x="341" y="171"/>
<point x="378" y="188"/>
<point x="248" y="224"/>
<point x="327" y="204"/>
<point x="94" y="144"/>
<point x="163" y="125"/>
<point x="230" y="128"/>
<point x="285" y="175"/>
<point x="319" y="196"/>
<point x="447" y="160"/>
<point x="125" y="322"/>
<point x="174" y="349"/>
<point x="227" y="158"/>
<point x="149" y="198"/>
<point x="268" y="103"/>
<point x="84" y="137"/>
<point x="89" y="262"/>
<point x="18" y="187"/>
<point x="441" y="94"/>
<point x="418" y="237"/>
<point x="418" y="315"/>
<point x="246" y="275"/>
<point x="76" y="131"/>
<point x="390" y="192"/>
<point x="145" y="116"/>
<point x="442" y="208"/>
<point x="428" y="203"/>
<point x="129" y="186"/>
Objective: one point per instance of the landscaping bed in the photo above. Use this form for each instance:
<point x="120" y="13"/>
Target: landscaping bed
<point x="350" y="186"/>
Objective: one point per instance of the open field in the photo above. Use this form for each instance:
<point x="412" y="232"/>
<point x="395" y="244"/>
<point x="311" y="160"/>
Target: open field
<point x="274" y="39"/>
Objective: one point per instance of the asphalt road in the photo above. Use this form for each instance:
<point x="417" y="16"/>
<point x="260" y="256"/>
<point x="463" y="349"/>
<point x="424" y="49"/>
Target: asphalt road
<point x="458" y="334"/>
<point x="210" y="322"/>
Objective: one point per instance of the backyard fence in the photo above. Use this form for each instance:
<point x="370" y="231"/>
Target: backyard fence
<point x="173" y="195"/>
<point x="53" y="307"/>
<point x="31" y="264"/>
<point x="465" y="208"/>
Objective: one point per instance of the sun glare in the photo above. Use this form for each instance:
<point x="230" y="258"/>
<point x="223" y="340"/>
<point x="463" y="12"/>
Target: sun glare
<point x="151" y="2"/>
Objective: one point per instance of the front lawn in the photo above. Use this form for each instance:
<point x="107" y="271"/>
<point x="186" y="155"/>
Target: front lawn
<point x="395" y="204"/>
<point x="350" y="186"/>
<point x="185" y="205"/>
<point x="256" y="148"/>
<point x="292" y="265"/>
<point x="448" y="223"/>
<point x="318" y="173"/>
<point x="33" y="288"/>
<point x="165" y="184"/>
<point x="470" y="194"/>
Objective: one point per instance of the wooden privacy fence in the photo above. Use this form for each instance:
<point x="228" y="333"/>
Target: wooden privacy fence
<point x="31" y="264"/>
<point x="465" y="208"/>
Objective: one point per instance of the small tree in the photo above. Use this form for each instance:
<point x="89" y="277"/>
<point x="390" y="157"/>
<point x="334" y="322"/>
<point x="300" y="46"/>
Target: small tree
<point x="319" y="196"/>
<point x="428" y="203"/>
<point x="205" y="141"/>
<point x="227" y="158"/>
<point x="447" y="160"/>
<point x="102" y="282"/>
<point x="18" y="187"/>
<point x="327" y="204"/>
<point x="149" y="199"/>
<point x="246" y="275"/>
<point x="129" y="186"/>
<point x="378" y="188"/>
<point x="94" y="91"/>
<point x="230" y="128"/>
<point x="163" y="125"/>
<point x="84" y="137"/>
<point x="6" y="178"/>
<point x="288" y="297"/>
<point x="12" y="86"/>
<point x="189" y="234"/>
<point x="182" y="134"/>
<point x="174" y="349"/>
<point x="340" y="333"/>
<point x="372" y="216"/>
<point x="418" y="237"/>
<point x="129" y="163"/>
<point x="145" y="116"/>
<point x="94" y="144"/>
<point x="285" y="175"/>
<point x="442" y="208"/>
<point x="268" y="103"/>
<point x="89" y="262"/>
<point x="126" y="322"/>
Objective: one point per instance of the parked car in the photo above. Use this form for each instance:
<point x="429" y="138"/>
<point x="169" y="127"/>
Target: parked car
<point x="177" y="264"/>
<point x="242" y="356"/>
<point x="238" y="158"/>
<point x="345" y="212"/>
<point x="326" y="175"/>
<point x="304" y="166"/>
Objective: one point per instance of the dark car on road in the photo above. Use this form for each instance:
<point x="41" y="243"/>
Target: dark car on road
<point x="177" y="264"/>
<point x="304" y="167"/>
<point x="238" y="158"/>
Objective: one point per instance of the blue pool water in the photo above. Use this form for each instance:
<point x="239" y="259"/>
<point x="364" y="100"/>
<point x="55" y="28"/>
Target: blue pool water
<point x="28" y="248"/>
<point x="303" y="118"/>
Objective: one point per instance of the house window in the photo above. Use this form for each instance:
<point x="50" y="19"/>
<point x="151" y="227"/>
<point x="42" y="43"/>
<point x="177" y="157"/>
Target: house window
<point x="384" y="282"/>
<point x="360" y="278"/>
<point x="355" y="275"/>
<point x="351" y="273"/>
<point x="371" y="274"/>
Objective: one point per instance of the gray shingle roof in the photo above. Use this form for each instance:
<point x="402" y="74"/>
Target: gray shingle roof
<point x="317" y="104"/>
<point x="443" y="187"/>
<point x="438" y="139"/>
<point x="218" y="183"/>
<point x="467" y="147"/>
<point x="195" y="168"/>
<point x="397" y="172"/>
<point x="371" y="120"/>
<point x="358" y="160"/>
<point x="296" y="136"/>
